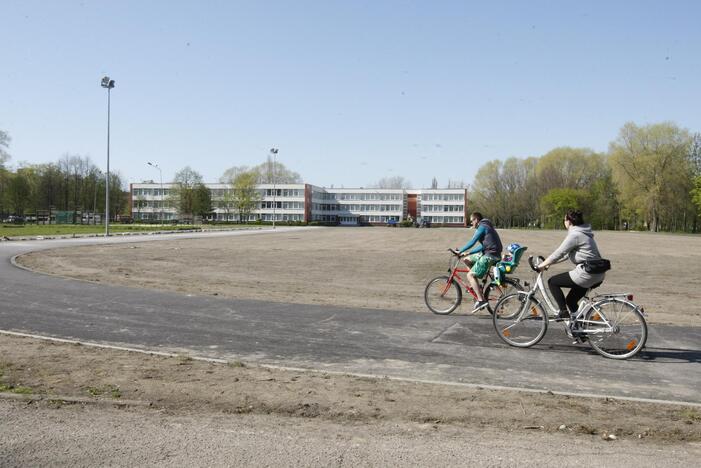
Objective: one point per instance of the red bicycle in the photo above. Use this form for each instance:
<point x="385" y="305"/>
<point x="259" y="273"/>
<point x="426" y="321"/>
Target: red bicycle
<point x="443" y="294"/>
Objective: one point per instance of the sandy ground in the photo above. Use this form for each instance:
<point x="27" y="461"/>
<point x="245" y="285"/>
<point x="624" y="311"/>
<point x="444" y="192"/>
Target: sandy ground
<point x="370" y="267"/>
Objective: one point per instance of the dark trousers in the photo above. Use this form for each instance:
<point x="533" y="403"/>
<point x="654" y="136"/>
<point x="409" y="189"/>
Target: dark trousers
<point x="563" y="280"/>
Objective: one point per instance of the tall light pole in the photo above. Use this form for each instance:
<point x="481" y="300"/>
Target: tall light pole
<point x="274" y="153"/>
<point x="160" y="174"/>
<point x="109" y="84"/>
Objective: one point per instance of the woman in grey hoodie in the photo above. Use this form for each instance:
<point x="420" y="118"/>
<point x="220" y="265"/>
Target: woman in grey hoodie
<point x="578" y="246"/>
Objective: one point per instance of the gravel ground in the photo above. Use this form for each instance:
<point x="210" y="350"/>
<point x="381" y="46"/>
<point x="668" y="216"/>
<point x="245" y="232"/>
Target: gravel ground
<point x="46" y="434"/>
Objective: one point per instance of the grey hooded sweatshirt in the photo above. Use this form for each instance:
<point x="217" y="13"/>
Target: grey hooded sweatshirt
<point x="579" y="245"/>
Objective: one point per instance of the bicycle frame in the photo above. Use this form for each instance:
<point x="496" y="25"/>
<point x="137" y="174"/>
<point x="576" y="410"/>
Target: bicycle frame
<point x="455" y="275"/>
<point x="586" y="303"/>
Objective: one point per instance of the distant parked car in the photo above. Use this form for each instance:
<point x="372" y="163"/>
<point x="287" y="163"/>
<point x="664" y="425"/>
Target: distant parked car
<point x="392" y="223"/>
<point x="14" y="219"/>
<point x="425" y="223"/>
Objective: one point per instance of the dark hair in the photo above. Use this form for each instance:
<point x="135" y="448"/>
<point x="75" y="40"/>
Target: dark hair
<point x="476" y="214"/>
<point x="575" y="217"/>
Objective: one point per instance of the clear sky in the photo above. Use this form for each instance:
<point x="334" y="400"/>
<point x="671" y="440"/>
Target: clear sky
<point x="349" y="91"/>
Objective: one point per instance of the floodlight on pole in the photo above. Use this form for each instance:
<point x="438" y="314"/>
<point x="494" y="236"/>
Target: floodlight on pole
<point x="274" y="151"/>
<point x="108" y="84"/>
<point x="160" y="174"/>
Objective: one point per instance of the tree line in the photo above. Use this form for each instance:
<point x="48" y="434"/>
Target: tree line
<point x="650" y="179"/>
<point x="72" y="184"/>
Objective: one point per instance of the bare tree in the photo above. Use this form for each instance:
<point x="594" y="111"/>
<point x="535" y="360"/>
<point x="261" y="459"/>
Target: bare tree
<point x="231" y="173"/>
<point x="396" y="182"/>
<point x="282" y="175"/>
<point x="4" y="145"/>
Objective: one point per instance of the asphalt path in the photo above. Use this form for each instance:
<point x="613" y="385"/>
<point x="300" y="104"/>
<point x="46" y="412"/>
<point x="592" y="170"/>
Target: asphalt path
<point x="416" y="346"/>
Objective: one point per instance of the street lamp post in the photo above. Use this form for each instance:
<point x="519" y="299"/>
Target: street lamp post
<point x="108" y="84"/>
<point x="274" y="153"/>
<point x="160" y="174"/>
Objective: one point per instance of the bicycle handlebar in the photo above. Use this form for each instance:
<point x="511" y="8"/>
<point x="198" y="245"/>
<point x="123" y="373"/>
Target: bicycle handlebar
<point x="533" y="266"/>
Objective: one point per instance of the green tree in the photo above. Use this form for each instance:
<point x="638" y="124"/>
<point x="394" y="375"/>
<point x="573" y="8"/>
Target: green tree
<point x="182" y="194"/>
<point x="647" y="163"/>
<point x="557" y="201"/>
<point x="18" y="193"/>
<point x="696" y="194"/>
<point x="245" y="194"/>
<point x="202" y="200"/>
<point x="505" y="192"/>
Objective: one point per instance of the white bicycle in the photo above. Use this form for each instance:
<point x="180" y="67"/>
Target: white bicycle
<point x="611" y="323"/>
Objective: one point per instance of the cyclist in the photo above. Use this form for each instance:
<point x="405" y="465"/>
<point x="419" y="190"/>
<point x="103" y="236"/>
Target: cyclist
<point x="482" y="256"/>
<point x="578" y="246"/>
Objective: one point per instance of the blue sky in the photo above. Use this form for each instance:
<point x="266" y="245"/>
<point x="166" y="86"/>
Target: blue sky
<point x="349" y="91"/>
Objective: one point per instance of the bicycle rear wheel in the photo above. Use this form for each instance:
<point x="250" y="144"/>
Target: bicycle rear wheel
<point x="442" y="296"/>
<point x="615" y="328"/>
<point x="519" y="320"/>
<point x="493" y="292"/>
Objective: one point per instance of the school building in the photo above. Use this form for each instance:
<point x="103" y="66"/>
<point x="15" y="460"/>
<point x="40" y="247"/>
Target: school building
<point x="306" y="203"/>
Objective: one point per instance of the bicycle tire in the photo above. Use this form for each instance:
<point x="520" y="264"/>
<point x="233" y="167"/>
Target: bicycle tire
<point x="615" y="328"/>
<point x="493" y="292"/>
<point x="520" y="320"/>
<point x="442" y="296"/>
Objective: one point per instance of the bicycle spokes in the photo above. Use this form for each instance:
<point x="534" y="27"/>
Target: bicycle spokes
<point x="615" y="328"/>
<point x="519" y="320"/>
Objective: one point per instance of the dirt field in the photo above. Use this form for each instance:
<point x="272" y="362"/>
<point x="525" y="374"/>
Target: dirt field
<point x="373" y="267"/>
<point x="364" y="267"/>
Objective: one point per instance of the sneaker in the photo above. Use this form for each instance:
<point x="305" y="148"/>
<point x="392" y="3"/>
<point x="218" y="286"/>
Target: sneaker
<point x="562" y="315"/>
<point x="479" y="305"/>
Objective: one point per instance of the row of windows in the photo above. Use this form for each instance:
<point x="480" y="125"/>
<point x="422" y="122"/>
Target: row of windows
<point x="445" y="219"/>
<point x="360" y="196"/>
<point x="354" y="220"/>
<point x="442" y="208"/>
<point x="151" y="192"/>
<point x="442" y="196"/>
<point x="139" y="205"/>
<point x="333" y="207"/>
<point x="282" y="217"/>
<point x="298" y="193"/>
<point x="284" y="193"/>
<point x="220" y="193"/>
<point x="282" y="205"/>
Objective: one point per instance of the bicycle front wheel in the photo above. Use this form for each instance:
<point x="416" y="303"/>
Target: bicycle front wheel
<point x="442" y="295"/>
<point x="520" y="320"/>
<point x="494" y="292"/>
<point x="615" y="328"/>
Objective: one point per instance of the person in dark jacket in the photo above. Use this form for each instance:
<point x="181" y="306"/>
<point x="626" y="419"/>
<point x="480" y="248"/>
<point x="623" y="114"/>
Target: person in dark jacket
<point x="578" y="246"/>
<point x="481" y="257"/>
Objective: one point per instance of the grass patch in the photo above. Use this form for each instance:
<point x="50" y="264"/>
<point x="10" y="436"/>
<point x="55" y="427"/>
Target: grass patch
<point x="20" y="390"/>
<point x="690" y="414"/>
<point x="111" y="390"/>
<point x="82" y="229"/>
<point x="235" y="364"/>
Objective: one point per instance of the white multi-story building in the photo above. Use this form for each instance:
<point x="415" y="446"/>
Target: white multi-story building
<point x="307" y="203"/>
